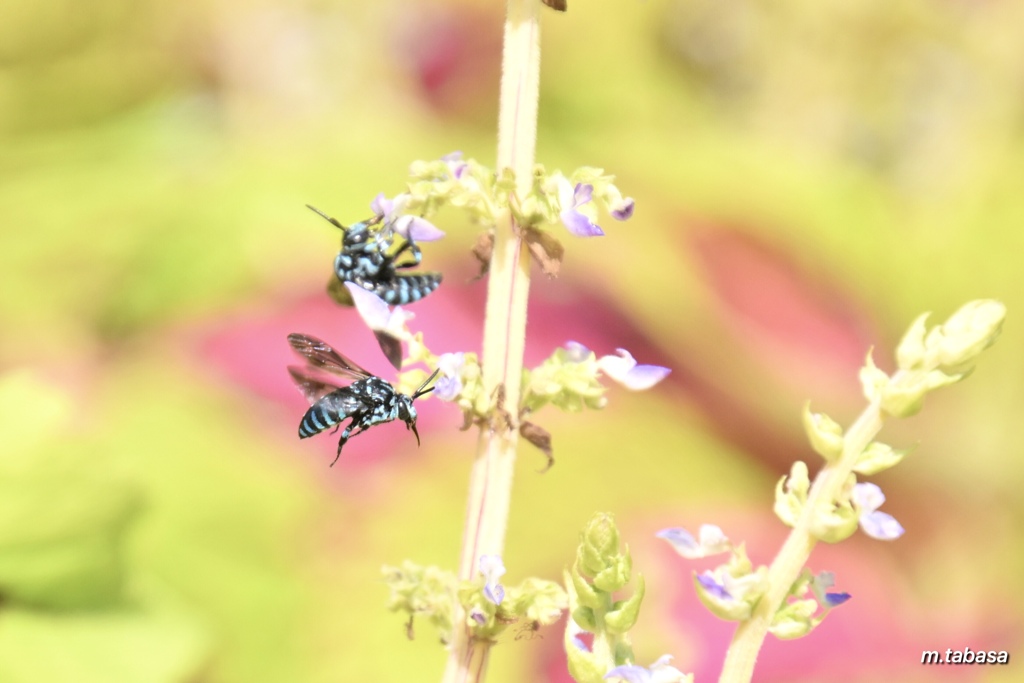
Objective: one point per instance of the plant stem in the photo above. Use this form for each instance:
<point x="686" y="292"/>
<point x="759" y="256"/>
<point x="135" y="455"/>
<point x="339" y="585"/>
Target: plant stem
<point x="504" y="328"/>
<point x="793" y="556"/>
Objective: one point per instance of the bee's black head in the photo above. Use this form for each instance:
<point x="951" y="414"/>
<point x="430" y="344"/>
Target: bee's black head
<point x="357" y="234"/>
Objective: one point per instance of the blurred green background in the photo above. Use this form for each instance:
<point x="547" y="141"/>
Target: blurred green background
<point x="809" y="177"/>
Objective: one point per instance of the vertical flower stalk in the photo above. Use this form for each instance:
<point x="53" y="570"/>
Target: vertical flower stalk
<point x="927" y="360"/>
<point x="790" y="561"/>
<point x="504" y="327"/>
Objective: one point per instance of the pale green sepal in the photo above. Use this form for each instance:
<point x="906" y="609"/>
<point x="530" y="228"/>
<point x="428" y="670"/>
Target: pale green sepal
<point x="835" y="521"/>
<point x="791" y="494"/>
<point x="825" y="435"/>
<point x="872" y="380"/>
<point x="584" y="616"/>
<point x="584" y="592"/>
<point x="910" y="354"/>
<point x="794" y="620"/>
<point x="878" y="457"/>
<point x="584" y="667"/>
<point x="625" y="612"/>
<point x="731" y="609"/>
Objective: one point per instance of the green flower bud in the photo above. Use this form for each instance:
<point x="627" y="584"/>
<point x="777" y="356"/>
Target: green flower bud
<point x="599" y="546"/>
<point x="878" y="457"/>
<point x="968" y="332"/>
<point x="825" y="435"/>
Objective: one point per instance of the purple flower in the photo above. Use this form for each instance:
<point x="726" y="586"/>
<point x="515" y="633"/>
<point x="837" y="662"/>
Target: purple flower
<point x="712" y="541"/>
<point x="571" y="199"/>
<point x="623" y="210"/>
<point x="456" y="166"/>
<point x="659" y="672"/>
<point x="412" y="228"/>
<point x="867" y="498"/>
<point x="712" y="586"/>
<point x="624" y="370"/>
<point x="449" y="385"/>
<point x="492" y="568"/>
<point x="576" y="352"/>
<point x="820" y="585"/>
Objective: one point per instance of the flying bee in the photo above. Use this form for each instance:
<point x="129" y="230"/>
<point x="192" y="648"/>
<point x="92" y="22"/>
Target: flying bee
<point x="368" y="259"/>
<point x="369" y="400"/>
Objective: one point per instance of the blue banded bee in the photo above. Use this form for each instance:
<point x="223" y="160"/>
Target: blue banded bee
<point x="369" y="400"/>
<point x="367" y="259"/>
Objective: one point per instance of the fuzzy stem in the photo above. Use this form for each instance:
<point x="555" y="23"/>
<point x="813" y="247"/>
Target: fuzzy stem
<point x="793" y="556"/>
<point x="504" y="327"/>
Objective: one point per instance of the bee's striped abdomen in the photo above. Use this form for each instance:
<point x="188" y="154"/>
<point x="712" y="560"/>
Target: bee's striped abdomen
<point x="404" y="289"/>
<point x="317" y="419"/>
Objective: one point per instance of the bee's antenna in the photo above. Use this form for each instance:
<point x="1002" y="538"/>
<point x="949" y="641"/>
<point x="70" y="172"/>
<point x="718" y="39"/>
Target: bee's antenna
<point x="332" y="221"/>
<point x="421" y="391"/>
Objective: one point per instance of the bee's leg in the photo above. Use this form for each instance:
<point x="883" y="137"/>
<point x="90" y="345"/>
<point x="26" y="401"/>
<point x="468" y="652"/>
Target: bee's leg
<point x="350" y="431"/>
<point x="341" y="443"/>
<point x="417" y="256"/>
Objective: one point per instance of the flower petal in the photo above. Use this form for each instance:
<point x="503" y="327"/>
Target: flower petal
<point x="631" y="673"/>
<point x="448" y="388"/>
<point x="682" y="541"/>
<point x="867" y="497"/>
<point x="581" y="194"/>
<point x="644" y="377"/>
<point x="494" y="592"/>
<point x="579" y="224"/>
<point x="417" y="229"/>
<point x="711" y="585"/>
<point x="623" y="211"/>
<point x="624" y="370"/>
<point x="381" y="205"/>
<point x="882" y="526"/>
<point x="836" y="599"/>
<point x="577" y="353"/>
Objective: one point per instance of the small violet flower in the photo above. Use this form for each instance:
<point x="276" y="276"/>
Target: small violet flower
<point x="456" y="166"/>
<point x="377" y="315"/>
<point x="820" y="585"/>
<point x="624" y="370"/>
<point x="576" y="352"/>
<point x="867" y="498"/>
<point x="449" y="385"/>
<point x="659" y="672"/>
<point x="412" y="228"/>
<point x="713" y="586"/>
<point x="571" y="199"/>
<point x="623" y="211"/>
<point x="492" y="568"/>
<point x="712" y="541"/>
